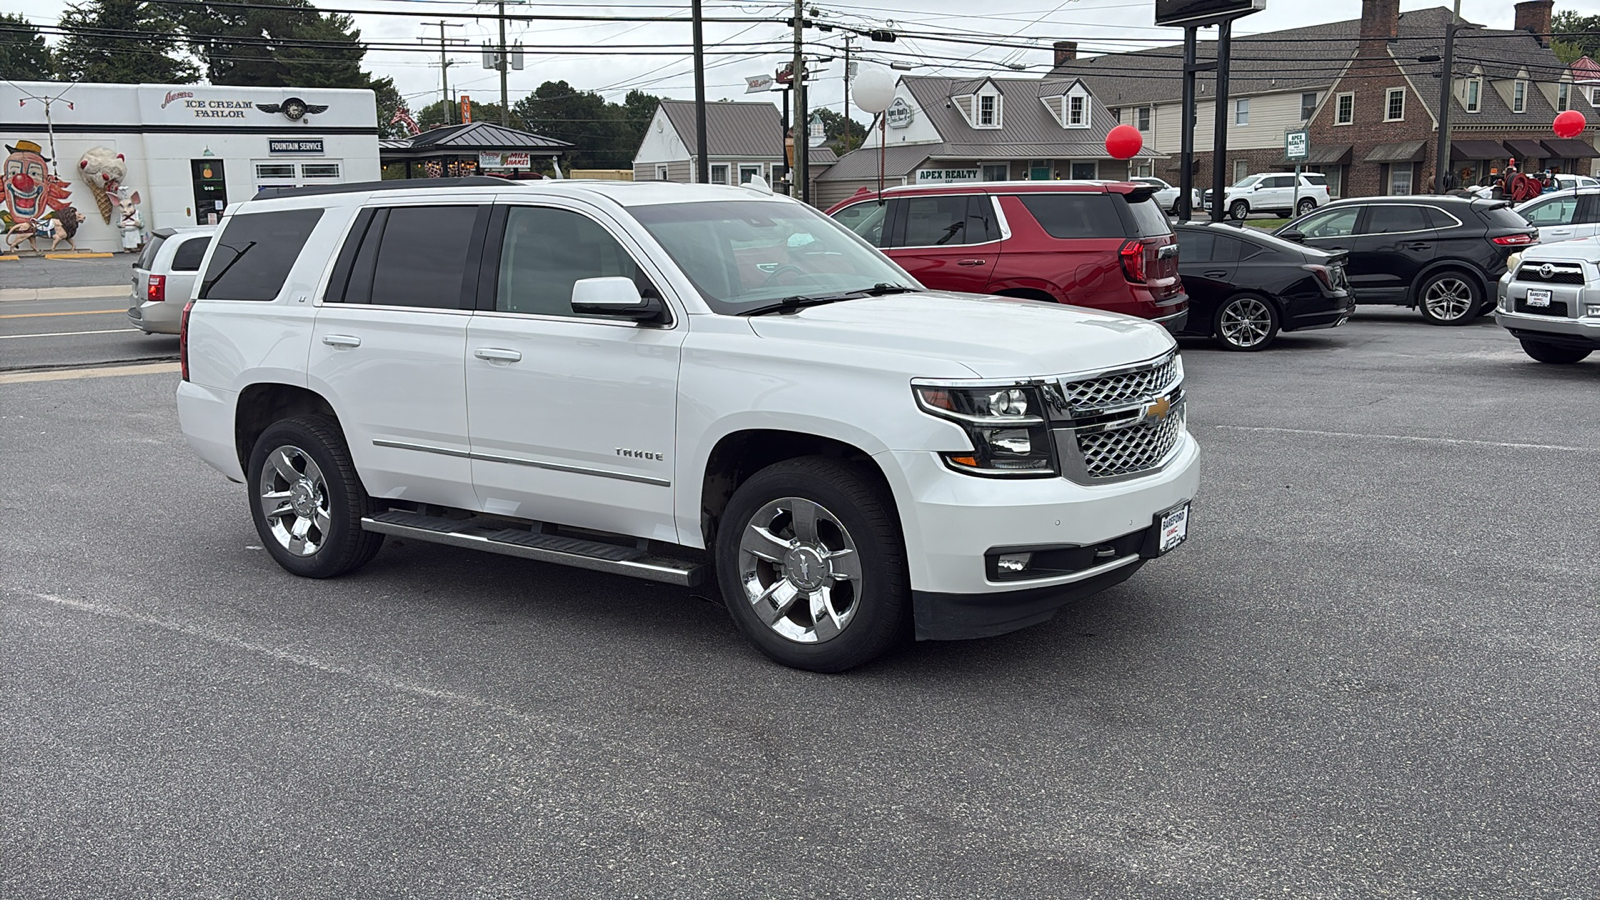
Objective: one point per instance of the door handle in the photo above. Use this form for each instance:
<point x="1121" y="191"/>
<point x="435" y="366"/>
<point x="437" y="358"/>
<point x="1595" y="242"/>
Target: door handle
<point x="341" y="340"/>
<point x="497" y="354"/>
<point x="1214" y="274"/>
<point x="1420" y="245"/>
<point x="971" y="262"/>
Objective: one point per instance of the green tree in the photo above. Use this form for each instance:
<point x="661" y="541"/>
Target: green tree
<point x="605" y="135"/>
<point x="1576" y="36"/>
<point x="843" y="133"/>
<point x="121" y="42"/>
<point x="291" y="44"/>
<point x="23" y="53"/>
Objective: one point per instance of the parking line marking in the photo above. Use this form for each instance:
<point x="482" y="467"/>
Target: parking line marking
<point x="99" y="372"/>
<point x="81" y="312"/>
<point x="1411" y="438"/>
<point x="11" y="337"/>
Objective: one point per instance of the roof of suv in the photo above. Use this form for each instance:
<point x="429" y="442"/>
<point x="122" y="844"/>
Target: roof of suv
<point x="1416" y="199"/>
<point x="623" y="193"/>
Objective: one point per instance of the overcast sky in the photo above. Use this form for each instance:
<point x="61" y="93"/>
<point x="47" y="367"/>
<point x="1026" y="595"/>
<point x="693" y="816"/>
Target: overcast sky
<point x="1100" y="25"/>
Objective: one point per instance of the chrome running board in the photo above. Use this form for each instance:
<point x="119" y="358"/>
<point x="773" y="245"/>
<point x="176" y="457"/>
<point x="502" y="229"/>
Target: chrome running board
<point x="497" y="537"/>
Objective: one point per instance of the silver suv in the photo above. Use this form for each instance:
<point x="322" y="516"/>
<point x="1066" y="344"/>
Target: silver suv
<point x="1550" y="301"/>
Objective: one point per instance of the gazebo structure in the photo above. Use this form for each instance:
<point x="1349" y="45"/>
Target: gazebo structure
<point x="472" y="149"/>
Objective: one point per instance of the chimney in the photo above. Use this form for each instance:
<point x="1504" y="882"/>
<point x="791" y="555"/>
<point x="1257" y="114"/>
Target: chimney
<point x="1067" y="51"/>
<point x="1380" y="19"/>
<point x="1533" y="16"/>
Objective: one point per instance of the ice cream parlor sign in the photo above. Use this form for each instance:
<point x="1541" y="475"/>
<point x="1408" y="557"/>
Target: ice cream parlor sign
<point x="202" y="108"/>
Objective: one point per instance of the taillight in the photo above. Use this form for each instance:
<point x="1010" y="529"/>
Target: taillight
<point x="183" y="341"/>
<point x="1516" y="240"/>
<point x="156" y="292"/>
<point x="1133" y="262"/>
<point x="1324" y="275"/>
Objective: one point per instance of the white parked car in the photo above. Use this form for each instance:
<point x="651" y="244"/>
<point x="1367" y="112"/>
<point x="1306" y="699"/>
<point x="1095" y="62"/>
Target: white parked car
<point x="1550" y="300"/>
<point x="1567" y="182"/>
<point x="1166" y="195"/>
<point x="684" y="383"/>
<point x="1274" y="192"/>
<point x="164" y="276"/>
<point x="1564" y="215"/>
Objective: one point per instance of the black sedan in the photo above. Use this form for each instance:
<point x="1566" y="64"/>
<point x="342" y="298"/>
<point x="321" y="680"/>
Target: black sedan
<point x="1245" y="286"/>
<point x="1442" y="255"/>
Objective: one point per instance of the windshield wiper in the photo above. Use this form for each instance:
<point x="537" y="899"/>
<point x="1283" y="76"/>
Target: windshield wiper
<point x="798" y="302"/>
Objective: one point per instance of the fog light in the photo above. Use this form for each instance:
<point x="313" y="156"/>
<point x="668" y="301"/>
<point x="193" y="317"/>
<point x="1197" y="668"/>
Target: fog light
<point x="1015" y="563"/>
<point x="1593" y="309"/>
<point x="1015" y="441"/>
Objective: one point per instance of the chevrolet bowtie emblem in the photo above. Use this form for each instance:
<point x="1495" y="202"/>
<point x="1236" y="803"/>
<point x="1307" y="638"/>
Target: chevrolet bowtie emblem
<point x="1158" y="411"/>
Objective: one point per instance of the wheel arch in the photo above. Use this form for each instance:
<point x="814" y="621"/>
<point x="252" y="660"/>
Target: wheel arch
<point x="1027" y="289"/>
<point x="1414" y="295"/>
<point x="261" y="404"/>
<point x="740" y="454"/>
<point x="1028" y="293"/>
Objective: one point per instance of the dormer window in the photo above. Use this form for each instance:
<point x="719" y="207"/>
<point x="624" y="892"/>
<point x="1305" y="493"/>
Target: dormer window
<point x="1563" y="97"/>
<point x="988" y="111"/>
<point x="1474" y="95"/>
<point x="1071" y="109"/>
<point x="1519" y="97"/>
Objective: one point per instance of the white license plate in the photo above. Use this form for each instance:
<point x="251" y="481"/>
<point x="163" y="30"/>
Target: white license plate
<point x="1539" y="298"/>
<point x="1174" y="527"/>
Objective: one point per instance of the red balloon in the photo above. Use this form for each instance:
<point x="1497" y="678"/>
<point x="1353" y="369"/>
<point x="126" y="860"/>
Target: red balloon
<point x="1570" y="124"/>
<point x="1124" y="142"/>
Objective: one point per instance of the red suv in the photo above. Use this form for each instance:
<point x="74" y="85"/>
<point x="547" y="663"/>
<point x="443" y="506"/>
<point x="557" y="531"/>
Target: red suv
<point x="1105" y="245"/>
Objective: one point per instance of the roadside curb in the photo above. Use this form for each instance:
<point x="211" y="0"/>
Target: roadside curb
<point x="92" y="292"/>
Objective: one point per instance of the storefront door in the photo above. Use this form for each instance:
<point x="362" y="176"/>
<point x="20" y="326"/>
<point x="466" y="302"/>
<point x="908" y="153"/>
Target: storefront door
<point x="210" y="190"/>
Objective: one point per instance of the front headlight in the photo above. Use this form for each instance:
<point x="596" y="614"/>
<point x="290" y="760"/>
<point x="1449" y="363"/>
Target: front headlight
<point x="1513" y="261"/>
<point x="1005" y="423"/>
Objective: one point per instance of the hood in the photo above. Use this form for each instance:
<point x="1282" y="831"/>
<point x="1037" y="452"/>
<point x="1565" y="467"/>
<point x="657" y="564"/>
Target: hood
<point x="995" y="337"/>
<point x="1581" y="249"/>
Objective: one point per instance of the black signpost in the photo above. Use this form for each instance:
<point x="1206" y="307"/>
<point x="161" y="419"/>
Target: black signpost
<point x="1191" y="16"/>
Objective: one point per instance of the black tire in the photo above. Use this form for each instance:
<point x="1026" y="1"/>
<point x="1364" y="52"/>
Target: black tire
<point x="848" y="507"/>
<point x="332" y="494"/>
<point x="1451" y="297"/>
<point x="1554" y="354"/>
<point x="1245" y="322"/>
<point x="1304" y="207"/>
<point x="1239" y="209"/>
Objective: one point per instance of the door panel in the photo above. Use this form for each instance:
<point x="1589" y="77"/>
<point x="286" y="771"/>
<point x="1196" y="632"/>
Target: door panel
<point x="572" y="419"/>
<point x="387" y="348"/>
<point x="949" y="242"/>
<point x="1393" y="244"/>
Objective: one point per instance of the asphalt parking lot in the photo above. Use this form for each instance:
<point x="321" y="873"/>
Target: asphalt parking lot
<point x="1373" y="671"/>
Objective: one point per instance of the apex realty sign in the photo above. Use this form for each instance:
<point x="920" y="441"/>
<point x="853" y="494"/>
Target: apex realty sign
<point x="947" y="176"/>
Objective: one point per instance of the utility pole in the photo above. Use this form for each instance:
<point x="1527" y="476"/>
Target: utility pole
<point x="1219" y="149"/>
<point x="1186" y="153"/>
<point x="505" y="63"/>
<point x="1447" y="83"/>
<point x="847" y="37"/>
<point x="702" y="173"/>
<point x="444" y="64"/>
<point x="802" y="130"/>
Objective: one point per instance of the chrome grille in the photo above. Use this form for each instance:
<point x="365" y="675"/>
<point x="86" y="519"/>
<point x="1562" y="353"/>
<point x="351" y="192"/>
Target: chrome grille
<point x="1550" y="273"/>
<point x="1125" y="451"/>
<point x="1112" y="390"/>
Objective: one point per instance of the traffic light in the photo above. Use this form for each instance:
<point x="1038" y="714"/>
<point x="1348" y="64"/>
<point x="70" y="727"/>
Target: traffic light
<point x="882" y="36"/>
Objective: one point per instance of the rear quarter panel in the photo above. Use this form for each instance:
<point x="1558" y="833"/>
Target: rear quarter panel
<point x="1082" y="272"/>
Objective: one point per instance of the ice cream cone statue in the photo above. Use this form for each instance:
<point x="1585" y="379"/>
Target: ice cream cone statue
<point x="103" y="170"/>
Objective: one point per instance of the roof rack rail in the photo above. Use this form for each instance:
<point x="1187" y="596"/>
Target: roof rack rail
<point x="393" y="184"/>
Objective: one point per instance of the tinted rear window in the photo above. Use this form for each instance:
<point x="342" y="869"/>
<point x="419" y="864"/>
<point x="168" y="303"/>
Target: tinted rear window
<point x="1149" y="220"/>
<point x="1503" y="217"/>
<point x="147" y="256"/>
<point x="255" y="253"/>
<point x="423" y="258"/>
<point x="189" y="254"/>
<point x="1077" y="215"/>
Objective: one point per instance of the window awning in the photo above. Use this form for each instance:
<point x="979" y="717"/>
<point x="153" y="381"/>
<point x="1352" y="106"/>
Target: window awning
<point x="1525" y="150"/>
<point x="1328" y="155"/>
<point x="1474" y="150"/>
<point x="1404" y="151"/>
<point x="1570" y="148"/>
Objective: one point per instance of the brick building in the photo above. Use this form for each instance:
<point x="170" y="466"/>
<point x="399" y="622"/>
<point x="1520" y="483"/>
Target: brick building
<point x="1369" y="100"/>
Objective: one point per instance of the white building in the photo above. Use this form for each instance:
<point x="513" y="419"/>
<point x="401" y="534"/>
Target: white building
<point x="189" y="150"/>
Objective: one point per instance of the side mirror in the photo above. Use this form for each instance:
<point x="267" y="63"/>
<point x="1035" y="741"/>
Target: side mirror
<point x="616" y="297"/>
<point x="1295" y="236"/>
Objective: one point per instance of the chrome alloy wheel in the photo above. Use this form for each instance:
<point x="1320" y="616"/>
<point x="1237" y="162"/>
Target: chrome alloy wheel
<point x="800" y="570"/>
<point x="294" y="500"/>
<point x="1448" y="299"/>
<point x="1245" y="322"/>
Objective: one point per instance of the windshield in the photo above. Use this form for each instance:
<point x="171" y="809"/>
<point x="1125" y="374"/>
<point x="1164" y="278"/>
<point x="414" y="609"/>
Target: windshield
<point x="743" y="254"/>
<point x="1247" y="181"/>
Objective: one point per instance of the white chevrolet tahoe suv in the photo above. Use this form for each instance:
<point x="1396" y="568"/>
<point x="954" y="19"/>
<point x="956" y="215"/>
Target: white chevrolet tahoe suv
<point x="682" y="383"/>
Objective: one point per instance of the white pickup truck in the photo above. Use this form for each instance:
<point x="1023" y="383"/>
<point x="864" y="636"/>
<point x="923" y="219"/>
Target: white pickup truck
<point x="682" y="383"/>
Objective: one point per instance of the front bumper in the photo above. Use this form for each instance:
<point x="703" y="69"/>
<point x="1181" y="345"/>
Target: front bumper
<point x="1557" y="330"/>
<point x="954" y="522"/>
